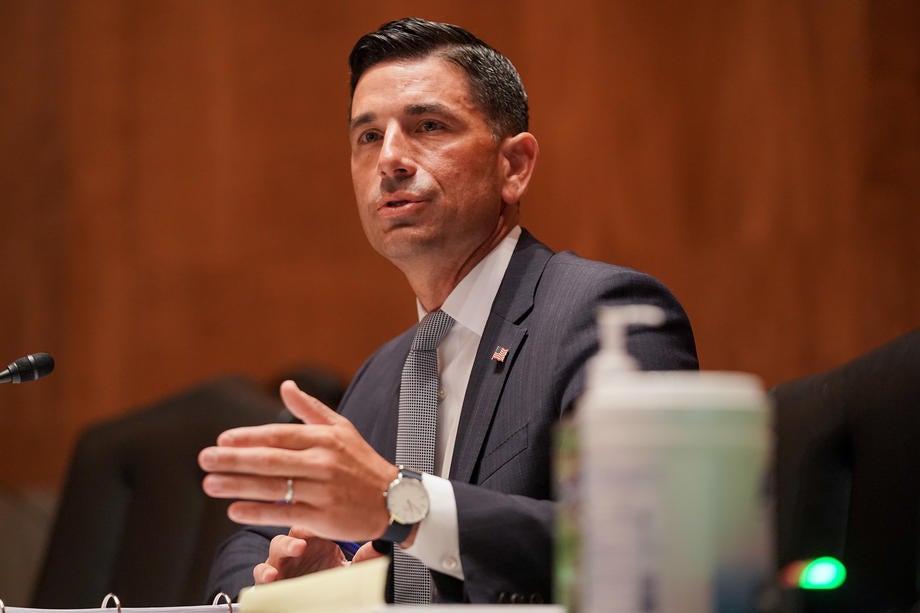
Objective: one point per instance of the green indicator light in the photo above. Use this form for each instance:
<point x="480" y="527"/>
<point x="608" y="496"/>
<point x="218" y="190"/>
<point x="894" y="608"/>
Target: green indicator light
<point x="825" y="573"/>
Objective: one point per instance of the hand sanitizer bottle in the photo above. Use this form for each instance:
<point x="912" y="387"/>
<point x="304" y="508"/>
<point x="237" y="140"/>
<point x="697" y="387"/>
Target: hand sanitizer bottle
<point x="661" y="475"/>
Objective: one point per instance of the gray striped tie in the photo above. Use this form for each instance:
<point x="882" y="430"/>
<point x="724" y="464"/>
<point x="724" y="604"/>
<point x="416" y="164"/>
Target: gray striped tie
<point x="415" y="439"/>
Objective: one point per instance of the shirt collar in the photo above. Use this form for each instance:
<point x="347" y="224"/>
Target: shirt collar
<point x="470" y="303"/>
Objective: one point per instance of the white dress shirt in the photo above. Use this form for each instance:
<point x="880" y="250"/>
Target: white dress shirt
<point x="437" y="542"/>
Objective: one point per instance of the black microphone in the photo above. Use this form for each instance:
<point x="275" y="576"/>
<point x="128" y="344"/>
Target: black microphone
<point x="29" y="368"/>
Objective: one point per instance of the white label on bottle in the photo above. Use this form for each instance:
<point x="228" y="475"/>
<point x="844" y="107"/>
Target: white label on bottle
<point x="622" y="538"/>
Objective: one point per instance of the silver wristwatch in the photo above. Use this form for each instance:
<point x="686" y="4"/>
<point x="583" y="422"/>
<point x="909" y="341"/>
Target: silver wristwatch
<point x="407" y="503"/>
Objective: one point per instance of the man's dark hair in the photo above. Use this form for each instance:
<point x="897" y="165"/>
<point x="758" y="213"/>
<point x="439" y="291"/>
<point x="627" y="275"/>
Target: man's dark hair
<point x="494" y="83"/>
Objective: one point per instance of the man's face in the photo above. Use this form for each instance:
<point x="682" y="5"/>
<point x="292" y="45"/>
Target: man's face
<point x="427" y="172"/>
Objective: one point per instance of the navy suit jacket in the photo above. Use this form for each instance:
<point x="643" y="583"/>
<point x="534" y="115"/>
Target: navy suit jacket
<point x="544" y="313"/>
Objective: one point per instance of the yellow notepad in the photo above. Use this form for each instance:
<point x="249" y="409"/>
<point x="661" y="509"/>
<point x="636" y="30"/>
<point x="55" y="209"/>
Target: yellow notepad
<point x="356" y="588"/>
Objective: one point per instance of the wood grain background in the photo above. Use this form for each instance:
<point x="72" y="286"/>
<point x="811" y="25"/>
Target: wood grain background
<point x="176" y="201"/>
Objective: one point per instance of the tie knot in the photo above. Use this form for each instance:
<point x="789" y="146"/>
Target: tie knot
<point x="431" y="330"/>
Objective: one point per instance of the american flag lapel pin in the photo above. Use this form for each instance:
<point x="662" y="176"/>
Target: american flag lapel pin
<point x="500" y="354"/>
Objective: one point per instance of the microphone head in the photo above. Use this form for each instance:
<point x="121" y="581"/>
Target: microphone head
<point x="29" y="368"/>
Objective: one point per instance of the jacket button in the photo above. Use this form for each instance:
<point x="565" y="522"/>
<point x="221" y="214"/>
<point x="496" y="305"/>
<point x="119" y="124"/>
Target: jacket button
<point x="449" y="563"/>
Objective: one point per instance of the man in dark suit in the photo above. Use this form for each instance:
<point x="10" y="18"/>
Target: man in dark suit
<point x="440" y="159"/>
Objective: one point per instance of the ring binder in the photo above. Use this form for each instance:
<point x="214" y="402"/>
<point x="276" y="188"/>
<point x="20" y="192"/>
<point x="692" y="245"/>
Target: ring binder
<point x="216" y="598"/>
<point x="105" y="602"/>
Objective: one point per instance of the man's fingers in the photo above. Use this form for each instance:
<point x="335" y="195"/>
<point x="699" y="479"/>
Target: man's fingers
<point x="281" y="436"/>
<point x="322" y="524"/>
<point x="285" y="546"/>
<point x="299" y="532"/>
<point x="251" y="460"/>
<point x="306" y="407"/>
<point x="287" y="436"/>
<point x="310" y="463"/>
<point x="249" y="488"/>
<point x="366" y="552"/>
<point x="264" y="573"/>
<point x="267" y="489"/>
<point x="269" y="514"/>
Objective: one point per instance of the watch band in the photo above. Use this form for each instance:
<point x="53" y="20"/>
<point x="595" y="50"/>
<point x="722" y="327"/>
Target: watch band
<point x="397" y="532"/>
<point x="405" y="471"/>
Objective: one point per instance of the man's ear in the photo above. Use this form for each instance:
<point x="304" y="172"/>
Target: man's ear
<point x="519" y="156"/>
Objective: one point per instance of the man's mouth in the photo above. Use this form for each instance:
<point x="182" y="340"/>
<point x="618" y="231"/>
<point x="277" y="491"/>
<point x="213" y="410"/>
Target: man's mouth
<point x="399" y="202"/>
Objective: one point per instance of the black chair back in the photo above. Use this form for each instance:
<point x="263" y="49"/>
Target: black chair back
<point x="132" y="518"/>
<point x="848" y="476"/>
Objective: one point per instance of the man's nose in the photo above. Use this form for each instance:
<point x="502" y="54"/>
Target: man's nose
<point x="395" y="155"/>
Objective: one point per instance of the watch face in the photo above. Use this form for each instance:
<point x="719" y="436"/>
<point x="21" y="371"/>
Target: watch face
<point x="407" y="501"/>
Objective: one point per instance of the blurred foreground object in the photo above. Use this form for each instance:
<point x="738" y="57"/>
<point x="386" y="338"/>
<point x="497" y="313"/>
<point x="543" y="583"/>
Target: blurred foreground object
<point x="824" y="573"/>
<point x="847" y="459"/>
<point x="661" y="483"/>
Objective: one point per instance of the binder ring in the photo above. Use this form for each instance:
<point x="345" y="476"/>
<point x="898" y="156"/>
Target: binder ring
<point x="216" y="598"/>
<point x="105" y="602"/>
<point x="2" y="606"/>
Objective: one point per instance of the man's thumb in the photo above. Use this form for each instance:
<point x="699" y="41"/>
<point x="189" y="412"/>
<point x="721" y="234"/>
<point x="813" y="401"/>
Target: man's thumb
<point x="304" y="406"/>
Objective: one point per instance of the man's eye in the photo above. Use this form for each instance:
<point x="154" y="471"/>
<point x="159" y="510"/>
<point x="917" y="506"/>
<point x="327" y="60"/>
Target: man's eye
<point x="430" y="126"/>
<point x="369" y="137"/>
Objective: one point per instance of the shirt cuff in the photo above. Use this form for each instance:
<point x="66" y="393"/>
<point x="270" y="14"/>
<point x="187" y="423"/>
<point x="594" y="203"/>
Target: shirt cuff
<point x="437" y="542"/>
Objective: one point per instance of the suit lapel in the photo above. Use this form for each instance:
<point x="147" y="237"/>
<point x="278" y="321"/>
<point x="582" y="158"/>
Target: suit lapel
<point x="505" y="328"/>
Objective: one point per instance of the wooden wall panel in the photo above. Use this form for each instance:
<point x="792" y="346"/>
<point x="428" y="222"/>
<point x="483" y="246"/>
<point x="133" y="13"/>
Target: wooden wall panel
<point x="33" y="220"/>
<point x="176" y="201"/>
